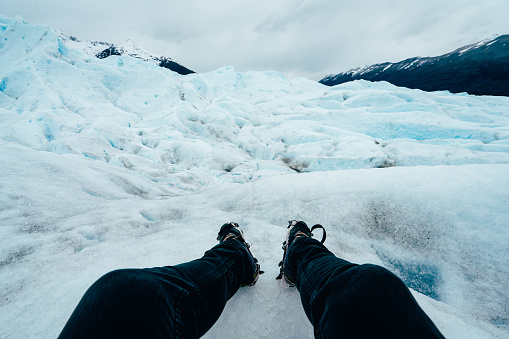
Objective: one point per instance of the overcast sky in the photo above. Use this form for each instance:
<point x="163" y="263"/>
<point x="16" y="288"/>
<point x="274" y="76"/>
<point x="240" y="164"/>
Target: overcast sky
<point x="309" y="38"/>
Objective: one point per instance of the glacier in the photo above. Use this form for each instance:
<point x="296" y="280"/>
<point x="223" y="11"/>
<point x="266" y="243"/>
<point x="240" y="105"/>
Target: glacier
<point x="118" y="163"/>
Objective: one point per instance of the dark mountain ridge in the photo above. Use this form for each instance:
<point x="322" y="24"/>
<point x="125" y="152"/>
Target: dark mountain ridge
<point x="481" y="69"/>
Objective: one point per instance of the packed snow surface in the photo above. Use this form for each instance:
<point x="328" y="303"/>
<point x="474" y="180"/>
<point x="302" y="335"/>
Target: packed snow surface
<point x="119" y="163"/>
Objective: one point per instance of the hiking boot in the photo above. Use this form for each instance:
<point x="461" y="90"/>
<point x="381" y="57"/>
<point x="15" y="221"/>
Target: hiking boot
<point x="296" y="229"/>
<point x="231" y="231"/>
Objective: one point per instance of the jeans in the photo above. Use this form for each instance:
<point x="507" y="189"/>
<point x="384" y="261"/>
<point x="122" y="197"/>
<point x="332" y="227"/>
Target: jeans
<point x="345" y="300"/>
<point x="181" y="301"/>
<point x="341" y="299"/>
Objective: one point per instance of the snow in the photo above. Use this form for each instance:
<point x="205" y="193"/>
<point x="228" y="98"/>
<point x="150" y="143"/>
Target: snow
<point x="485" y="42"/>
<point x="386" y="67"/>
<point x="119" y="163"/>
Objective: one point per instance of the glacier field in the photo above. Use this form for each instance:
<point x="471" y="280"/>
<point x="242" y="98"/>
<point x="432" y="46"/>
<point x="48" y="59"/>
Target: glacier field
<point x="119" y="163"/>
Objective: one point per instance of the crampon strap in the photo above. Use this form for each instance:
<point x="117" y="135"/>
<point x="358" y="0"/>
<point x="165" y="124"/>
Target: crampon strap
<point x="324" y="235"/>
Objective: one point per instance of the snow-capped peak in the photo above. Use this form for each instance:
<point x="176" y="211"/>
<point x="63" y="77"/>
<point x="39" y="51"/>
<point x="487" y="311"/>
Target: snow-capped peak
<point x="129" y="47"/>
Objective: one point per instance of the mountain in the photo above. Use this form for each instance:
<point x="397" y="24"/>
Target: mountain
<point x="481" y="69"/>
<point x="103" y="50"/>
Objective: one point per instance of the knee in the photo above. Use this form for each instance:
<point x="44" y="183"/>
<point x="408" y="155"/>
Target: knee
<point x="116" y="276"/>
<point x="377" y="272"/>
<point x="378" y="278"/>
<point x="122" y="280"/>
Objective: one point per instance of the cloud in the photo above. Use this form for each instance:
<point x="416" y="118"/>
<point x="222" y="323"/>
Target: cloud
<point x="308" y="38"/>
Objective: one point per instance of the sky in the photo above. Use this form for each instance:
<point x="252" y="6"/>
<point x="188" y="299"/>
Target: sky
<point x="299" y="38"/>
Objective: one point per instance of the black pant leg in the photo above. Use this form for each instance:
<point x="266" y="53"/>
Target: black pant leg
<point x="181" y="301"/>
<point x="345" y="300"/>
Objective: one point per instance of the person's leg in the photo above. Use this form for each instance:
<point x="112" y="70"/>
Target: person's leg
<point x="346" y="300"/>
<point x="181" y="301"/>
